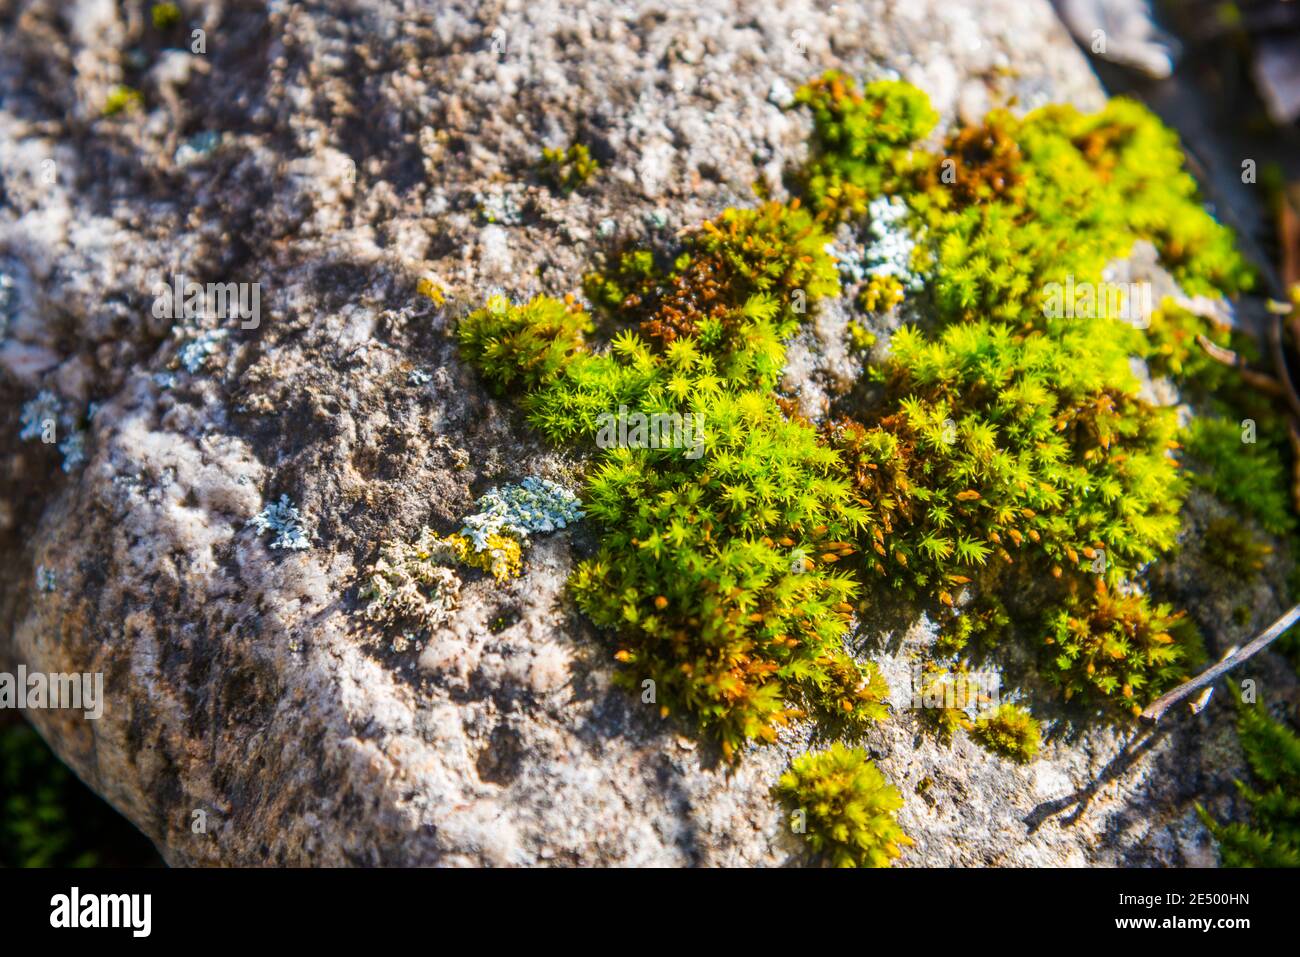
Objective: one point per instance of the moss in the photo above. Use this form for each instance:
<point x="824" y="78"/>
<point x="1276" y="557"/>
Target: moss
<point x="1171" y="347"/>
<point x="881" y="294"/>
<point x="122" y="99"/>
<point x="1120" y="648"/>
<point x="946" y="694"/>
<point x="845" y="807"/>
<point x="165" y="15"/>
<point x="1233" y="548"/>
<point x="525" y="345"/>
<point x="48" y="818"/>
<point x="1247" y="474"/>
<point x="1012" y="443"/>
<point x="1009" y="443"/>
<point x="861" y="140"/>
<point x="568" y="169"/>
<point x="1271" y="836"/>
<point x="696" y="572"/>
<point x="1009" y="731"/>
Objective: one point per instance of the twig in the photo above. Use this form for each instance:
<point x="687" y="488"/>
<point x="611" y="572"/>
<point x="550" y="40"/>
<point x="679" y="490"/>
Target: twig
<point x="1157" y="708"/>
<point x="1260" y="380"/>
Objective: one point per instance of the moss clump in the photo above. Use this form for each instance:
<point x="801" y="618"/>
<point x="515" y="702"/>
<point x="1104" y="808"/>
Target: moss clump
<point x="165" y="15"/>
<point x="1119" y="647"/>
<point x="1271" y="838"/>
<point x="947" y="697"/>
<point x="525" y="346"/>
<point x="122" y="99"/>
<point x="847" y="808"/>
<point x="1233" y="548"/>
<point x="1012" y="444"/>
<point x="1009" y="731"/>
<point x="995" y="447"/>
<point x="1171" y="347"/>
<point x="717" y="562"/>
<point x="1249" y="475"/>
<point x="862" y="140"/>
<point x="568" y="169"/>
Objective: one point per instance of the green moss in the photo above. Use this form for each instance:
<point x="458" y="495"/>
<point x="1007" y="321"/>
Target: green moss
<point x="845" y="807"/>
<point x="1171" y="348"/>
<point x="525" y="345"/>
<point x="165" y="15"/>
<point x="1009" y="731"/>
<point x="1012" y="444"/>
<point x="1233" y="548"/>
<point x="122" y="99"/>
<point x="717" y="561"/>
<point x="1271" y="837"/>
<point x="1247" y="474"/>
<point x="568" y="169"/>
<point x="1119" y="648"/>
<point x="861" y="140"/>
<point x="1009" y="444"/>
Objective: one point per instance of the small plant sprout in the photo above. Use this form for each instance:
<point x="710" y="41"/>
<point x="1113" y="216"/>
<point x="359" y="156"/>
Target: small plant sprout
<point x="284" y="522"/>
<point x="122" y="99"/>
<point x="568" y="169"/>
<point x="849" y="811"/>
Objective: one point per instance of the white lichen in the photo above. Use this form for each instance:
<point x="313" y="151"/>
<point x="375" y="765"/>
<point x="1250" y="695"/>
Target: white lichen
<point x="285" y="522"/>
<point x="534" y="505"/>
<point x="892" y="246"/>
<point x="410" y="581"/>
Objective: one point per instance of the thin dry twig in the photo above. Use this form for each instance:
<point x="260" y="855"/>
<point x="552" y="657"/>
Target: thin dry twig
<point x="1253" y="377"/>
<point x="1157" y="708"/>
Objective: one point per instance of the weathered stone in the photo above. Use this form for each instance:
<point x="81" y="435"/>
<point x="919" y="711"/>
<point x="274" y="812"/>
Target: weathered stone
<point x="364" y="146"/>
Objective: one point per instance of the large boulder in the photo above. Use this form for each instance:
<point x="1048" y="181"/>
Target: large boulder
<point x="336" y="153"/>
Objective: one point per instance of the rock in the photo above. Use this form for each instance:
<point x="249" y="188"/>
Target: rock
<point x="357" y="145"/>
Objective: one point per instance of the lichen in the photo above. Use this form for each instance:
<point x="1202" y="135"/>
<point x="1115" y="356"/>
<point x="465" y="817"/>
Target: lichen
<point x="410" y="581"/>
<point x="197" y="347"/>
<point x="284" y="521"/>
<point x="48" y="419"/>
<point x="516" y="511"/>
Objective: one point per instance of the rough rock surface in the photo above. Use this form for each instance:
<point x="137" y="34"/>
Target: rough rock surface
<point x="365" y="144"/>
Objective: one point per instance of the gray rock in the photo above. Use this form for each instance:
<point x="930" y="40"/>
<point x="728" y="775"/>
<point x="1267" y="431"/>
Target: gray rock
<point x="354" y="144"/>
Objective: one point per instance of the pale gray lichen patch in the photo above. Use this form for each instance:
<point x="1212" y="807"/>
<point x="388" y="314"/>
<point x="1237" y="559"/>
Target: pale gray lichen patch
<point x="410" y="581"/>
<point x="534" y="505"/>
<point x="283" y="519"/>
